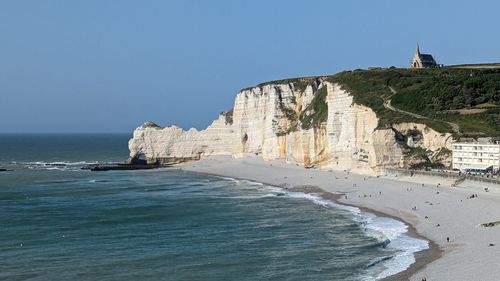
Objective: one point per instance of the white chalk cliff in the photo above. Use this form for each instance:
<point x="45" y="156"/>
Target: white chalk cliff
<point x="271" y="121"/>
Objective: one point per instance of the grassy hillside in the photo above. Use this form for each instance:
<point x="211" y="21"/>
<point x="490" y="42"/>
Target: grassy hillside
<point x="466" y="97"/>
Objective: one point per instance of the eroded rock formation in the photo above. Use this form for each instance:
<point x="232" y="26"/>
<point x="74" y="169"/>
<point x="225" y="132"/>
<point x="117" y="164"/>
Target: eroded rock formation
<point x="312" y="123"/>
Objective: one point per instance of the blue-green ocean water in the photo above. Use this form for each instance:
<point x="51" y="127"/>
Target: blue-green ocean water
<point x="58" y="222"/>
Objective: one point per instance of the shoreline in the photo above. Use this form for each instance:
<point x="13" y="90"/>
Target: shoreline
<point x="440" y="261"/>
<point x="422" y="257"/>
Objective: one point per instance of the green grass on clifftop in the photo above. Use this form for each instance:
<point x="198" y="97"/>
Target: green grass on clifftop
<point x="469" y="98"/>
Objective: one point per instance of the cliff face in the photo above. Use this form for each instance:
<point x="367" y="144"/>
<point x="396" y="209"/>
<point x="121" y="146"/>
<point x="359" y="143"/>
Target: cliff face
<point x="313" y="123"/>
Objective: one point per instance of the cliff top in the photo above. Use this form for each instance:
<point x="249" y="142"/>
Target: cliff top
<point x="456" y="100"/>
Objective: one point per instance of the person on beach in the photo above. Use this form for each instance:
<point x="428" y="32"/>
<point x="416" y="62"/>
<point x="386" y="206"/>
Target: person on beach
<point x="448" y="239"/>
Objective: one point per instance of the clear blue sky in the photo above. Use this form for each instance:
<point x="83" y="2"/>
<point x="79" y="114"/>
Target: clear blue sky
<point x="108" y="66"/>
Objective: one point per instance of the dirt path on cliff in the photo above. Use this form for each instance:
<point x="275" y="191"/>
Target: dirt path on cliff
<point x="388" y="105"/>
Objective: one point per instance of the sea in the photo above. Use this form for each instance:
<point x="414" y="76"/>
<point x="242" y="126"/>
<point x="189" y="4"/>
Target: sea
<point x="61" y="222"/>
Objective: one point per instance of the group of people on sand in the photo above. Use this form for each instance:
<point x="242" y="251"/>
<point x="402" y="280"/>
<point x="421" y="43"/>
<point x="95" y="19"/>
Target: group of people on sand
<point x="472" y="196"/>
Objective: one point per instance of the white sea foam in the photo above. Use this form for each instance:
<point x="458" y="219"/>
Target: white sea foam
<point x="249" y="196"/>
<point x="57" y="165"/>
<point x="405" y="246"/>
<point x="229" y="179"/>
<point x="269" y="195"/>
<point x="315" y="199"/>
<point x="61" y="163"/>
<point x="274" y="189"/>
<point x="245" y="182"/>
<point x="254" y="183"/>
<point x="98" y="181"/>
<point x="56" y="168"/>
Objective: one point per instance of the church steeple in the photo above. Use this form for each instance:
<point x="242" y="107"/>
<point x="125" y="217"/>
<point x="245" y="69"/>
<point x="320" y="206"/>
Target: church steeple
<point x="423" y="60"/>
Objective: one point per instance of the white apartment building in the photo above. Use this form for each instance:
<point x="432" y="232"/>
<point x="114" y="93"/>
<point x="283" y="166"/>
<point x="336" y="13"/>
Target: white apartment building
<point x="473" y="156"/>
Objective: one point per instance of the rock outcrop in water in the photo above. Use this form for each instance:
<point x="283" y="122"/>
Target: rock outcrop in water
<point x="310" y="122"/>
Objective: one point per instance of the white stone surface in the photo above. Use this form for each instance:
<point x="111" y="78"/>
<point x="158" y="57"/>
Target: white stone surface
<point x="349" y="139"/>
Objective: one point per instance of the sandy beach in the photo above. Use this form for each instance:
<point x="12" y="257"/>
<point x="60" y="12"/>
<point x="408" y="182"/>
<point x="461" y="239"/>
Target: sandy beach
<point x="430" y="205"/>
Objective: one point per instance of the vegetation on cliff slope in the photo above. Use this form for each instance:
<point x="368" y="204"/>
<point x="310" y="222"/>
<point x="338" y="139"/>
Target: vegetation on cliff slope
<point x="316" y="112"/>
<point x="228" y="115"/>
<point x="299" y="84"/>
<point x="468" y="98"/>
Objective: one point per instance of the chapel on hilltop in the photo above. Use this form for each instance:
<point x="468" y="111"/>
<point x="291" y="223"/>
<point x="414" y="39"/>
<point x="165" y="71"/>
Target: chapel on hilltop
<point x="423" y="60"/>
